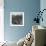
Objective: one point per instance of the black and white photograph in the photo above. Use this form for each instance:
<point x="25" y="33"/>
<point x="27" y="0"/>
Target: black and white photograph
<point x="17" y="18"/>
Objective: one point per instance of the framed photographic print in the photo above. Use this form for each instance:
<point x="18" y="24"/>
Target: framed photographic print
<point x="16" y="18"/>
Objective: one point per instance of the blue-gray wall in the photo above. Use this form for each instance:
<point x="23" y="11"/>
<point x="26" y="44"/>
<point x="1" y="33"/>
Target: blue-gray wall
<point x="29" y="7"/>
<point x="43" y="6"/>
